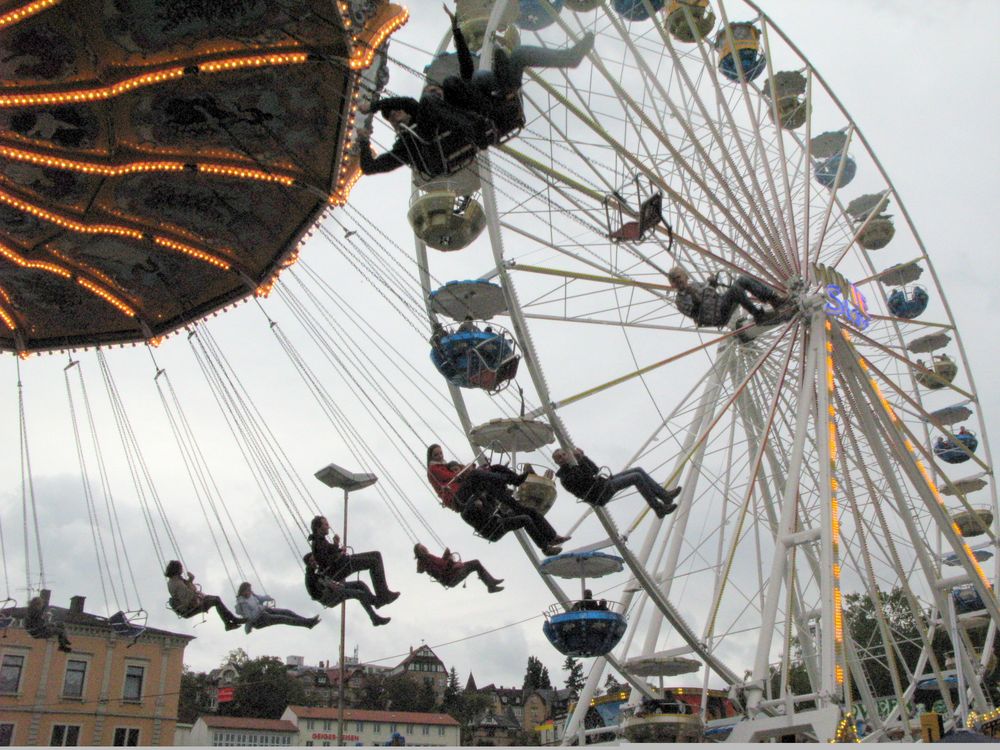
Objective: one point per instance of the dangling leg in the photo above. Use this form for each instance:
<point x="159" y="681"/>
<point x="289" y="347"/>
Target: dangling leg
<point x="492" y="584"/>
<point x="526" y="56"/>
<point x="658" y="498"/>
<point x="358" y="590"/>
<point x="372" y="562"/>
<point x="760" y="290"/>
<point x="275" y="616"/>
<point x="213" y="602"/>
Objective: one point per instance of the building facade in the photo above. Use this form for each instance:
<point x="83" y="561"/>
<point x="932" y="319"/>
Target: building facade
<point x="423" y="664"/>
<point x="237" y="731"/>
<point x="105" y="692"/>
<point x="317" y="727"/>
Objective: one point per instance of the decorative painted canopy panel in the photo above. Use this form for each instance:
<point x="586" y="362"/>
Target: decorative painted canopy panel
<point x="160" y="159"/>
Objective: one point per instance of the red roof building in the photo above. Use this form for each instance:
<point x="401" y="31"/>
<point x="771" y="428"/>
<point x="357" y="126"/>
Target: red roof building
<point x="318" y="726"/>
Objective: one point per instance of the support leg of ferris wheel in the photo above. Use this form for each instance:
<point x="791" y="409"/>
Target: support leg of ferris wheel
<point x="708" y="399"/>
<point x="914" y="470"/>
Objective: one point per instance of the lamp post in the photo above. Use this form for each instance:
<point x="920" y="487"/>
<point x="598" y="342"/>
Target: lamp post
<point x="334" y="476"/>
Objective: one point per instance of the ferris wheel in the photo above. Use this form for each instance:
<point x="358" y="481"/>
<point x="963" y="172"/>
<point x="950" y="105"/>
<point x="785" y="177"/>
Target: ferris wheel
<point x="818" y="453"/>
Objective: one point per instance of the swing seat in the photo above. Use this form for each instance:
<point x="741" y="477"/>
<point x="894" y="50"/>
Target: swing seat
<point x="702" y="19"/>
<point x="650" y="214"/>
<point x="484" y="516"/>
<point x="944" y="373"/>
<point x="584" y="633"/>
<point x="826" y="171"/>
<point x="129" y="625"/>
<point x="537" y="492"/>
<point x="951" y="453"/>
<point x="446" y="221"/>
<point x="909" y="307"/>
<point x="792" y="114"/>
<point x="877" y="234"/>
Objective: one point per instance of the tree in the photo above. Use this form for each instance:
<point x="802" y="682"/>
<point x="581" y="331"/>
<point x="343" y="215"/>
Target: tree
<point x="374" y="695"/>
<point x="264" y="690"/>
<point x="452" y="692"/>
<point x="471" y="708"/>
<point x="574" y="678"/>
<point x="237" y="657"/>
<point x="536" y="676"/>
<point x="405" y="693"/>
<point x="195" y="696"/>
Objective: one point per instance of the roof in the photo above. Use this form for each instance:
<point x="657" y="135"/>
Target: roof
<point x="491" y="719"/>
<point x="86" y="619"/>
<point x="423" y="652"/>
<point x="360" y="714"/>
<point x="243" y="722"/>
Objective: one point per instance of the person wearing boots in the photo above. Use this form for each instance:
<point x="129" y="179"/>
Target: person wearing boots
<point x="450" y="572"/>
<point x="584" y="481"/>
<point x="187" y="601"/>
<point x="331" y="593"/>
<point x="335" y="562"/>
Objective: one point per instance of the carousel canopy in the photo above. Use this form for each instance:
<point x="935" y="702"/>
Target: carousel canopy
<point x="160" y="159"/>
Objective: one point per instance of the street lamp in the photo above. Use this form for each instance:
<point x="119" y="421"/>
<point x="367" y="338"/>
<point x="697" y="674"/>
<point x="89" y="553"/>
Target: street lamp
<point x="334" y="476"/>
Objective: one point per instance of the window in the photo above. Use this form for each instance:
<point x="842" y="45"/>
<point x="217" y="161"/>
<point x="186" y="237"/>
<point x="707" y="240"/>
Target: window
<point x="392" y="727"/>
<point x="76" y="672"/>
<point x="6" y="735"/>
<point x="426" y="729"/>
<point x="326" y="725"/>
<point x="65" y="735"/>
<point x="133" y="682"/>
<point x="126" y="737"/>
<point x="440" y="731"/>
<point x="309" y="723"/>
<point x="10" y="673"/>
<point x="377" y="728"/>
<point x="358" y="726"/>
<point x="409" y="729"/>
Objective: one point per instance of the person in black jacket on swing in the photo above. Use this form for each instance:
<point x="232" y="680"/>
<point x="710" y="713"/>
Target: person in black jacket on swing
<point x="585" y="482"/>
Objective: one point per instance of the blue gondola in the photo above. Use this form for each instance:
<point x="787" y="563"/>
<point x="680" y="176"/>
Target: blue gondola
<point x="967" y="599"/>
<point x="534" y="15"/>
<point x="909" y="307"/>
<point x="826" y="171"/>
<point x="752" y="62"/>
<point x="635" y="10"/>
<point x="585" y="633"/>
<point x="947" y="451"/>
<point x="476" y="359"/>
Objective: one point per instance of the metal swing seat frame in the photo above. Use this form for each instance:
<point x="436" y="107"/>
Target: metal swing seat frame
<point x="7" y="607"/>
<point x="635" y="226"/>
<point x="132" y="626"/>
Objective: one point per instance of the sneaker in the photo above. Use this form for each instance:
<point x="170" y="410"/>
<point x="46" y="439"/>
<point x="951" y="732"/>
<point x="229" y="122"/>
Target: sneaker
<point x="493" y="588"/>
<point x="561" y="539"/>
<point x="232" y="625"/>
<point x="313" y="622"/>
<point x="662" y="509"/>
<point x="376" y="620"/>
<point x="552" y="551"/>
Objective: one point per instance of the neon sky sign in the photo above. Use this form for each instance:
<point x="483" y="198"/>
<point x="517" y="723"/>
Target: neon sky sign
<point x="843" y="299"/>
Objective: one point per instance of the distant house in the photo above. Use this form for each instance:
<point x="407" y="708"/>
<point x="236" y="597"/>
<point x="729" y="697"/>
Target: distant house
<point x="543" y="705"/>
<point x="496" y="730"/>
<point x="238" y="731"/>
<point x="506" y="700"/>
<point x="318" y="727"/>
<point x="423" y="664"/>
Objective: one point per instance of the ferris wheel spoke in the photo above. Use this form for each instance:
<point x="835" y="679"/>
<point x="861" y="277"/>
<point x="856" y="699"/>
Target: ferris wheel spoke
<point x="761" y="435"/>
<point x="754" y="117"/>
<point x="653" y="176"/>
<point x="760" y="245"/>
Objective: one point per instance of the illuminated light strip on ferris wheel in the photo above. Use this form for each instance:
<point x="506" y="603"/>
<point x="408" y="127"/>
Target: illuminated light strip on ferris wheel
<point x="831" y="420"/>
<point x="25" y="11"/>
<point x="101" y="93"/>
<point x="139" y="167"/>
<point x="95" y="289"/>
<point x="921" y="468"/>
<point x="112" y="229"/>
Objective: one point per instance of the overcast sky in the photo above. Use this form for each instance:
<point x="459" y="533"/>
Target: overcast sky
<point x="917" y="79"/>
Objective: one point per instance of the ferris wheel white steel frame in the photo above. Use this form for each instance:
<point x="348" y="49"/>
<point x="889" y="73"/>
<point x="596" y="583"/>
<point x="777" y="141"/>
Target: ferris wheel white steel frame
<point x="827" y="422"/>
